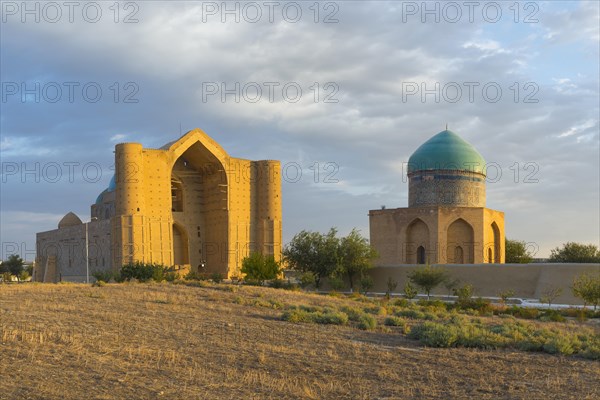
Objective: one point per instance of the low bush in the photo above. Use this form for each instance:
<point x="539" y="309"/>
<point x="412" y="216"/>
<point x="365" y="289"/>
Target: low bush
<point x="196" y="276"/>
<point x="353" y="313"/>
<point x="297" y="316"/>
<point x="171" y="276"/>
<point x="402" y="302"/>
<point x="552" y="315"/>
<point x="367" y="322"/>
<point x="144" y="272"/>
<point x="435" y="335"/>
<point x="527" y="313"/>
<point x="559" y="345"/>
<point x="284" y="284"/>
<point x="413" y="314"/>
<point x="329" y="317"/>
<point x="433" y="305"/>
<point x="482" y="306"/>
<point x="394" y="321"/>
<point x="376" y="310"/>
<point x="104" y="276"/>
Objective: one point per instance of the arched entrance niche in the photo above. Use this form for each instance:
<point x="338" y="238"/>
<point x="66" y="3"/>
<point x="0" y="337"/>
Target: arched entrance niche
<point x="417" y="242"/>
<point x="460" y="245"/>
<point x="181" y="254"/>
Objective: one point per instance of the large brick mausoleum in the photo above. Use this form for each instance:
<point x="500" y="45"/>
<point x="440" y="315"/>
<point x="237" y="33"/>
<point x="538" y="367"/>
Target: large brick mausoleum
<point x="188" y="204"/>
<point x="446" y="221"/>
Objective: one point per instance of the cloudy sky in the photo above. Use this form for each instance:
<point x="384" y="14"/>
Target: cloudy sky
<point x="343" y="90"/>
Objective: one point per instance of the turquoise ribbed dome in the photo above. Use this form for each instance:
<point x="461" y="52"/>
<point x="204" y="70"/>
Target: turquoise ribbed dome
<point x="446" y="151"/>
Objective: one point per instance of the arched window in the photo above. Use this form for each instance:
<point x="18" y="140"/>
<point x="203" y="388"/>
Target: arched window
<point x="420" y="255"/>
<point x="176" y="196"/>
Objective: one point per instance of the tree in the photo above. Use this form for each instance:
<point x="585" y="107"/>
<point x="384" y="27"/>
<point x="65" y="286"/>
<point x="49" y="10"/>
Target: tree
<point x="575" y="253"/>
<point x="505" y="295"/>
<point x="355" y="256"/>
<point x="14" y="265"/>
<point x="464" y="295"/>
<point x="428" y="277"/>
<point x="391" y="286"/>
<point x="516" y="252"/>
<point x="366" y="284"/>
<point x="550" y="294"/>
<point x="260" y="267"/>
<point x="314" y="253"/>
<point x="587" y="288"/>
<point x="409" y="291"/>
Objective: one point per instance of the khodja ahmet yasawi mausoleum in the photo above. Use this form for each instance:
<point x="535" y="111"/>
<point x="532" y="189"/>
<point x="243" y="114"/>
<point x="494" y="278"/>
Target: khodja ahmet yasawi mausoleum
<point x="188" y="204"/>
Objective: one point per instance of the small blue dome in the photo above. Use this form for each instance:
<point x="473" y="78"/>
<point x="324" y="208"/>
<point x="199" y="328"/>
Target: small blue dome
<point x="100" y="196"/>
<point x="112" y="186"/>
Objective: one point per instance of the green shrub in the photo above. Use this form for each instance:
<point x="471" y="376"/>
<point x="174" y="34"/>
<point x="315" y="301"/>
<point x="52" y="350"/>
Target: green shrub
<point x="6" y="277"/>
<point x="143" y="272"/>
<point x="592" y="352"/>
<point x="331" y="318"/>
<point x="196" y="276"/>
<point x="470" y="335"/>
<point x="429" y="316"/>
<point x="24" y="275"/>
<point x="413" y="314"/>
<point x="552" y="315"/>
<point x="171" y="276"/>
<point x="367" y="322"/>
<point x="464" y="294"/>
<point x="434" y="334"/>
<point x="261" y="267"/>
<point x="402" y="303"/>
<point x="297" y="316"/>
<point x="216" y="277"/>
<point x="105" y="276"/>
<point x="353" y="313"/>
<point x="99" y="283"/>
<point x="118" y="277"/>
<point x="410" y="292"/>
<point x="284" y="284"/>
<point x="433" y="305"/>
<point x="201" y="284"/>
<point x="481" y="306"/>
<point x="376" y="310"/>
<point x="559" y="345"/>
<point x="394" y="321"/>
<point x="527" y="313"/>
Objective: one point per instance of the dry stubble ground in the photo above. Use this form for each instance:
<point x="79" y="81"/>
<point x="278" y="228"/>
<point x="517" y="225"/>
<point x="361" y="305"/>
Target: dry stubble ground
<point x="162" y="341"/>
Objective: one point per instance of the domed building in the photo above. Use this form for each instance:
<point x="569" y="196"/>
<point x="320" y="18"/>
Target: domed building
<point x="446" y="221"/>
<point x="188" y="205"/>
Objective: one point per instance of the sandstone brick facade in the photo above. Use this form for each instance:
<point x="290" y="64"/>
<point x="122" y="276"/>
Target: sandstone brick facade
<point x="188" y="204"/>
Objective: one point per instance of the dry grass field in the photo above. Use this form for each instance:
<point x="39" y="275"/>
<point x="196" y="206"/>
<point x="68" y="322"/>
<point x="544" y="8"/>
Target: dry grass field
<point x="164" y="341"/>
